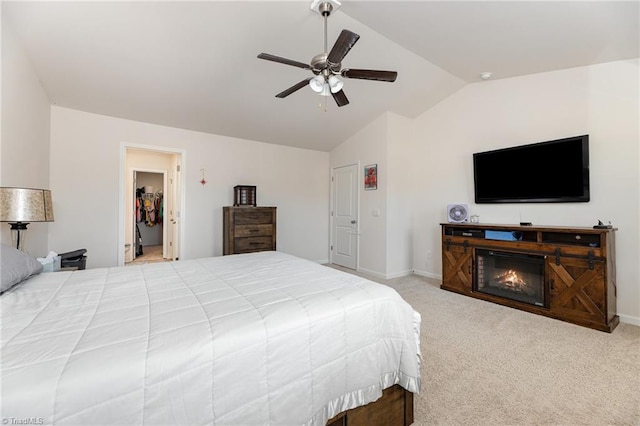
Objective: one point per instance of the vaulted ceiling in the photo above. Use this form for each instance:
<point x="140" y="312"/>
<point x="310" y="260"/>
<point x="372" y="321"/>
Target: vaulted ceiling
<point x="193" y="65"/>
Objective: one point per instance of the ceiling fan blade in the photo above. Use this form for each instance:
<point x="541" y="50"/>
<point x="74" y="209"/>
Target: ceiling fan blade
<point x="340" y="98"/>
<point x="293" y="88"/>
<point x="389" y="76"/>
<point x="343" y="45"/>
<point x="274" y="58"/>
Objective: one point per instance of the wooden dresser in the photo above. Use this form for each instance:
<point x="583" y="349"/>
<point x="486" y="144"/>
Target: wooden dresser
<point x="247" y="229"/>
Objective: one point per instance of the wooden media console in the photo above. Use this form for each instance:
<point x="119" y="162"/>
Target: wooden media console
<point x="569" y="273"/>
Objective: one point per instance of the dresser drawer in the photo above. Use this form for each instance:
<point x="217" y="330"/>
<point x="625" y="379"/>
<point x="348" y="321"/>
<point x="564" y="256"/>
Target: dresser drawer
<point x="253" y="230"/>
<point x="245" y="245"/>
<point x="250" y="216"/>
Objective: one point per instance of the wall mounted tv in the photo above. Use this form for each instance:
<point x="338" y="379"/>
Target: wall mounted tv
<point x="547" y="172"/>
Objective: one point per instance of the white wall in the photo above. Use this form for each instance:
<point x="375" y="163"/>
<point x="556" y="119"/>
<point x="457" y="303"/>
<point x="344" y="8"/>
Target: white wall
<point x="402" y="185"/>
<point x="24" y="149"/>
<point x="385" y="241"/>
<point x="599" y="100"/>
<point x="369" y="146"/>
<point x="85" y="155"/>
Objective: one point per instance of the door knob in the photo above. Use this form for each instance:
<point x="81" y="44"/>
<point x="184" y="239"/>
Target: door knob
<point x="353" y="221"/>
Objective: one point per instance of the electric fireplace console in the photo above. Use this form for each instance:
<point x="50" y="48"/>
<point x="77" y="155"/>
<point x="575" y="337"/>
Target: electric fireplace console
<point x="563" y="273"/>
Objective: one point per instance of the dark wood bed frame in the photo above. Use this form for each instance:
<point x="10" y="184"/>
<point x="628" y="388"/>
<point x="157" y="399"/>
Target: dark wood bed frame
<point x="394" y="408"/>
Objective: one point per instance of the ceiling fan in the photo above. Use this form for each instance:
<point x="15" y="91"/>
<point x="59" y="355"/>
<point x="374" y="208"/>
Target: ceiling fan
<point x="328" y="65"/>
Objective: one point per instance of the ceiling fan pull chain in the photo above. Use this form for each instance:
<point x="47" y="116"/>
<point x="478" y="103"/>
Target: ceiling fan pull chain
<point x="323" y="107"/>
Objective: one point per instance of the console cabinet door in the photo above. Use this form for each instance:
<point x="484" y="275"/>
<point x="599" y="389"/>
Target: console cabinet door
<point x="457" y="265"/>
<point x="578" y="290"/>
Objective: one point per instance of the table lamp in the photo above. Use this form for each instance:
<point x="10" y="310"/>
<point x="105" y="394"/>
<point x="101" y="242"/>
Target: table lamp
<point x="20" y="206"/>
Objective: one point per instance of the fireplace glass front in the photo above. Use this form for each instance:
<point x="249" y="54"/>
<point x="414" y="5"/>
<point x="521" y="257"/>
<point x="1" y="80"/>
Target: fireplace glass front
<point x="512" y="276"/>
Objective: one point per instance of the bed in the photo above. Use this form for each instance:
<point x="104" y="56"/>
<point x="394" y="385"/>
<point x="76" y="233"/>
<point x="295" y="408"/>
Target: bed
<point x="260" y="338"/>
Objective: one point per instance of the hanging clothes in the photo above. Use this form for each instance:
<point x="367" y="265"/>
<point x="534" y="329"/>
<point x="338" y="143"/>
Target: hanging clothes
<point x="149" y="208"/>
<point x="140" y="209"/>
<point x="158" y="208"/>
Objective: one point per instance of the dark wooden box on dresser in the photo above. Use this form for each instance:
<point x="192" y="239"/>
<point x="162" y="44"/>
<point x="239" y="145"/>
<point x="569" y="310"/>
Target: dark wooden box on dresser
<point x="576" y="267"/>
<point x="248" y="229"/>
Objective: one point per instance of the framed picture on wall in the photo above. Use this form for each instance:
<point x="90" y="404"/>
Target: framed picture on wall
<point x="371" y="177"/>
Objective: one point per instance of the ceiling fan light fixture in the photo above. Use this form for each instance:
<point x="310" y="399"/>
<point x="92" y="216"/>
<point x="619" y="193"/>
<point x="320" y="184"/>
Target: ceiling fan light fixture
<point x="335" y="84"/>
<point x="327" y="66"/>
<point x="317" y="83"/>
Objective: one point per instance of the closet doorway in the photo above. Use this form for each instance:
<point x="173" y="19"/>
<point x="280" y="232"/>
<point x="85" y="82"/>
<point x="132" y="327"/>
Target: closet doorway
<point x="151" y="203"/>
<point x="149" y="187"/>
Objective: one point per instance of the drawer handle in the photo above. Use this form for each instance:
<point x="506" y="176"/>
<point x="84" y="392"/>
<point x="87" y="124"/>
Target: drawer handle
<point x="253" y="243"/>
<point x="254" y="230"/>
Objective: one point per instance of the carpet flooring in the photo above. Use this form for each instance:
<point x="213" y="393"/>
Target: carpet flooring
<point x="486" y="364"/>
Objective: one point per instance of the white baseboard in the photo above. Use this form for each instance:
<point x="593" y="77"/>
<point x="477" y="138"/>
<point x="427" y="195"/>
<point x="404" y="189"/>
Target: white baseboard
<point x="428" y="274"/>
<point x="372" y="273"/>
<point x="400" y="274"/>
<point x="378" y="274"/>
<point x="386" y="276"/>
<point x="628" y="319"/>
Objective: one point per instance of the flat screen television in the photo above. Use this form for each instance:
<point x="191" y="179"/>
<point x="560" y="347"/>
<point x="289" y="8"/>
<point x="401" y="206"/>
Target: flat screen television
<point x="547" y="172"/>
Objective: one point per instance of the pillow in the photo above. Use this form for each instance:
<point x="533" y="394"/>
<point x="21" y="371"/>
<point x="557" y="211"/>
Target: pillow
<point x="16" y="267"/>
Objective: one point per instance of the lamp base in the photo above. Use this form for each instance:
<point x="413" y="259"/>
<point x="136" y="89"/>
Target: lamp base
<point x="19" y="235"/>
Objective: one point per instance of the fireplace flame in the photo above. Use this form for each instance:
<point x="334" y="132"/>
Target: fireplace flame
<point x="510" y="280"/>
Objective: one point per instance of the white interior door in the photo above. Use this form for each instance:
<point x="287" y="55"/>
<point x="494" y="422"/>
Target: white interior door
<point x="176" y="205"/>
<point x="169" y="212"/>
<point x="134" y="241"/>
<point x="344" y="240"/>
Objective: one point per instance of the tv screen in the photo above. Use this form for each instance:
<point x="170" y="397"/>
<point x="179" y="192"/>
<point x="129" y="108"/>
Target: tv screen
<point x="547" y="172"/>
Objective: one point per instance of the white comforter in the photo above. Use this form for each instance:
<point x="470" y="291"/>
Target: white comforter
<point x="262" y="338"/>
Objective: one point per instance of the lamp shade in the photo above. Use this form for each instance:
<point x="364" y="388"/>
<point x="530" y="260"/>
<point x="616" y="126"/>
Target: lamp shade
<point x="317" y="83"/>
<point x="335" y="83"/>
<point x="25" y="205"/>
